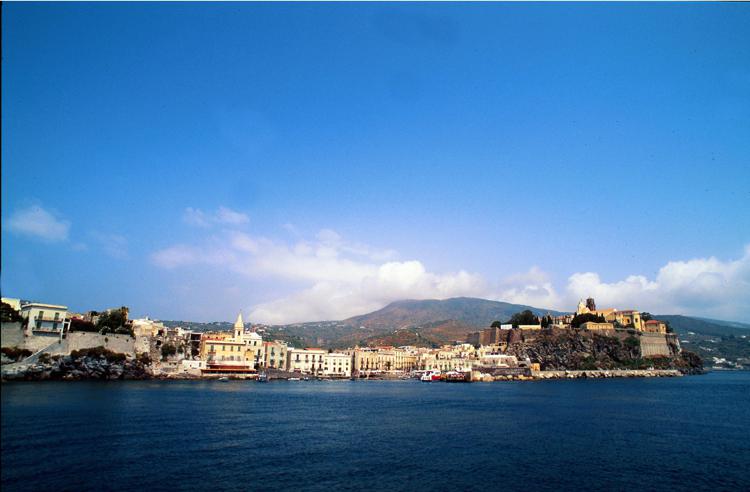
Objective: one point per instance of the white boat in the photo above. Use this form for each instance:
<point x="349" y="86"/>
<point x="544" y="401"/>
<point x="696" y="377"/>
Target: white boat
<point x="293" y="379"/>
<point x="223" y="379"/>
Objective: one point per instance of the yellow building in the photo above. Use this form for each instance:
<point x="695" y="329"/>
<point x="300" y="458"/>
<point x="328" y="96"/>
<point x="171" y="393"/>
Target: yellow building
<point x="275" y="354"/>
<point x="655" y="326"/>
<point x="234" y="352"/>
<point x="382" y="359"/>
<point x="628" y="318"/>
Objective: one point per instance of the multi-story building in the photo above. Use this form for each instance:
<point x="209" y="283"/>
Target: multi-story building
<point x="275" y="355"/>
<point x="382" y="359"/>
<point x="45" y="319"/>
<point x="306" y="361"/>
<point x="655" y="326"/>
<point x="437" y="361"/>
<point x="627" y="319"/>
<point x="337" y="365"/>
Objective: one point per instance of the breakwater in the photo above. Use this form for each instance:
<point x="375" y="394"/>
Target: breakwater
<point x="612" y="373"/>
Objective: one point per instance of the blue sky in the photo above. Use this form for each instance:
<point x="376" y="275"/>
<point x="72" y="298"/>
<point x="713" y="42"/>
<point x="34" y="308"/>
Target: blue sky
<point x="307" y="161"/>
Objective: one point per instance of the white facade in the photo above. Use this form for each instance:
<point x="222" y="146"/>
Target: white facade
<point x="306" y="361"/>
<point x="45" y="319"/>
<point x="339" y="365"/>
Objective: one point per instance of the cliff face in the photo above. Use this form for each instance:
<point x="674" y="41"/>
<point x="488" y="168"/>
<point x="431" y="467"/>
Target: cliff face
<point x="583" y="350"/>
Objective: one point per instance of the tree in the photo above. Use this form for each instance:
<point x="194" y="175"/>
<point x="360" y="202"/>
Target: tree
<point x="115" y="321"/>
<point x="495" y="324"/>
<point x="546" y="321"/>
<point x="523" y="318"/>
<point x="580" y="319"/>
<point x="78" y="324"/>
<point x="8" y="314"/>
<point x="646" y="317"/>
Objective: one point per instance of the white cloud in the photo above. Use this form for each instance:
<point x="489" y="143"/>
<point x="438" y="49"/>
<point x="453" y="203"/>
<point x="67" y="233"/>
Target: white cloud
<point x="39" y="223"/>
<point x="223" y="215"/>
<point x="701" y="287"/>
<point x="329" y="277"/>
<point x="706" y="287"/>
<point x="342" y="279"/>
<point x="533" y="288"/>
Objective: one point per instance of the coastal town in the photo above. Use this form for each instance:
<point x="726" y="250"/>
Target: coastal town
<point x="35" y="334"/>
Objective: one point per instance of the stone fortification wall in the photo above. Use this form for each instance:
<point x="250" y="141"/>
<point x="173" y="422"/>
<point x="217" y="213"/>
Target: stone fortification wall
<point x="79" y="340"/>
<point x="655" y="345"/>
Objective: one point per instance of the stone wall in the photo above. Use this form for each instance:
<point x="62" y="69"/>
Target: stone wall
<point x="79" y="340"/>
<point x="654" y="345"/>
<point x="12" y="334"/>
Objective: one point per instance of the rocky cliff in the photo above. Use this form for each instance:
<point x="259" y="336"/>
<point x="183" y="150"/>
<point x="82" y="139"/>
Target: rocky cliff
<point x="583" y="350"/>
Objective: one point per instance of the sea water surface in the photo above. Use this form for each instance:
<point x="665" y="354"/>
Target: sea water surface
<point x="690" y="433"/>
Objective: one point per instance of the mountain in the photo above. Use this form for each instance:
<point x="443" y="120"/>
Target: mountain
<point x="410" y="322"/>
<point x="473" y="312"/>
<point x="684" y="324"/>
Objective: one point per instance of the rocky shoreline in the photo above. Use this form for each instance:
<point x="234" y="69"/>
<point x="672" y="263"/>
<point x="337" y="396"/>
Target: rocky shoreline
<point x="70" y="368"/>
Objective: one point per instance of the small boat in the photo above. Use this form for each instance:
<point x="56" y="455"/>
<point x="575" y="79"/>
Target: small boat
<point x="294" y="379"/>
<point x="263" y="377"/>
<point x="223" y="379"/>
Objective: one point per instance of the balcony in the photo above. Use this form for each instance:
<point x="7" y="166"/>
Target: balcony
<point x="47" y="329"/>
<point x="49" y="318"/>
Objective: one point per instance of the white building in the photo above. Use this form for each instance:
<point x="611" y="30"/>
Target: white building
<point x="45" y="319"/>
<point x="338" y="365"/>
<point x="306" y="361"/>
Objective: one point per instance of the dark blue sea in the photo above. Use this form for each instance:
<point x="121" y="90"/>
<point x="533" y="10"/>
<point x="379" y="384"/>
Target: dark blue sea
<point x="690" y="433"/>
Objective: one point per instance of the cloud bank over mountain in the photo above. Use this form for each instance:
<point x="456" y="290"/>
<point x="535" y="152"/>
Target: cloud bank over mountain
<point x="328" y="277"/>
